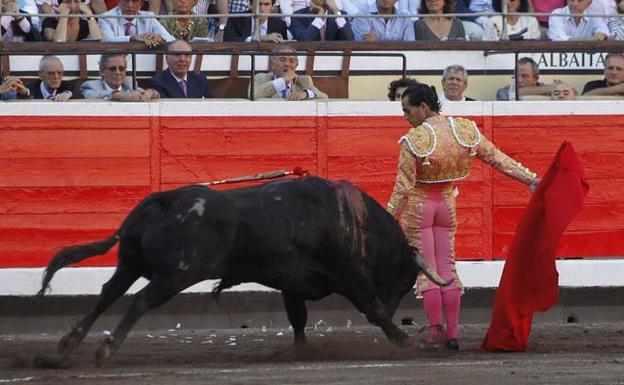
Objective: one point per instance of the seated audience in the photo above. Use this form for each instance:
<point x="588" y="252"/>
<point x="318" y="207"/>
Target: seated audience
<point x="283" y="82"/>
<point x="154" y="6"/>
<point x="440" y="27"/>
<point x="384" y="29"/>
<point x="546" y="6"/>
<point x="71" y="28"/>
<point x="563" y="91"/>
<point x="528" y="81"/>
<point x="351" y="7"/>
<point x="186" y="28"/>
<point x="16" y="29"/>
<point x="51" y="85"/>
<point x="176" y="81"/>
<point x="13" y="88"/>
<point x="243" y="28"/>
<point x="481" y="6"/>
<point x="613" y="82"/>
<point x="515" y="24"/>
<point x="319" y="28"/>
<point x="397" y="87"/>
<point x="454" y="84"/>
<point x="474" y="31"/>
<point x="114" y="85"/>
<point x="616" y="23"/>
<point x="562" y="28"/>
<point x="147" y="30"/>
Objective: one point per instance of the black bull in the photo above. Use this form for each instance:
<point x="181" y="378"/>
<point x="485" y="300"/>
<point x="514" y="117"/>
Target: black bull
<point x="308" y="238"/>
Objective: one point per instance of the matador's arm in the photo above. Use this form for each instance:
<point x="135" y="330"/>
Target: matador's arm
<point x="405" y="180"/>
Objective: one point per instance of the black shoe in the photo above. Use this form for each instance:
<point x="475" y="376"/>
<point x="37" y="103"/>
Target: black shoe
<point x="452" y="344"/>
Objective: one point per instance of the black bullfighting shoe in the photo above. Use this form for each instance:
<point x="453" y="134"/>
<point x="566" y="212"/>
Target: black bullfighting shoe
<point x="452" y="344"/>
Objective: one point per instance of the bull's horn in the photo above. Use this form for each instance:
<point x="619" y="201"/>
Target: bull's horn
<point x="429" y="272"/>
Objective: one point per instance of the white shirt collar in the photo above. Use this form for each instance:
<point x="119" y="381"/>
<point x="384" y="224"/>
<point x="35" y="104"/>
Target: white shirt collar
<point x="177" y="78"/>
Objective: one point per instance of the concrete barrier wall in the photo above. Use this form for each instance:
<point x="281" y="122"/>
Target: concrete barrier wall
<point x="71" y="172"/>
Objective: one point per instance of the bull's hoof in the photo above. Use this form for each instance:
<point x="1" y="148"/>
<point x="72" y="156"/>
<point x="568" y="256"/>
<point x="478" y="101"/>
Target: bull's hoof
<point x="406" y="343"/>
<point x="104" y="352"/>
<point x="70" y="341"/>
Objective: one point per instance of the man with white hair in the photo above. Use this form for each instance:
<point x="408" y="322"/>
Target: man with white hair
<point x="51" y="85"/>
<point x="454" y="84"/>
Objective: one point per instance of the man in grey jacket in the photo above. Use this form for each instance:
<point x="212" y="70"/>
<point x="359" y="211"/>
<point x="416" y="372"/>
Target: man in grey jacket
<point x="114" y="85"/>
<point x="283" y="82"/>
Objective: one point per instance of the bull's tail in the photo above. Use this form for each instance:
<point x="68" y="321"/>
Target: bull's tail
<point x="73" y="254"/>
<point x="76" y="253"/>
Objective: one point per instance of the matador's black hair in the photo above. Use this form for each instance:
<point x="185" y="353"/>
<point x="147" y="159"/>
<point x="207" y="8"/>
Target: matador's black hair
<point x="422" y="93"/>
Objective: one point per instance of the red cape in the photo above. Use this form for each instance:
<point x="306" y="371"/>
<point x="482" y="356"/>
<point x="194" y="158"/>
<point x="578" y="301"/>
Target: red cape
<point x="530" y="281"/>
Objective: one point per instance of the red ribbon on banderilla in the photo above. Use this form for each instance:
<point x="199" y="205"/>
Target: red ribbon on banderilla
<point x="298" y="171"/>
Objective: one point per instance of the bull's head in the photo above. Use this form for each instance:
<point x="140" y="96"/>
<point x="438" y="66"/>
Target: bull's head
<point x="428" y="270"/>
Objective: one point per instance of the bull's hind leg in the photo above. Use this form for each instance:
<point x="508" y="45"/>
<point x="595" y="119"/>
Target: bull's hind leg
<point x="119" y="283"/>
<point x="157" y="292"/>
<point x="297" y="315"/>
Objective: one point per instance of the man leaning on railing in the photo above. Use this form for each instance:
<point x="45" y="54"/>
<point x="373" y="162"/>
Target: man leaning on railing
<point x="129" y="28"/>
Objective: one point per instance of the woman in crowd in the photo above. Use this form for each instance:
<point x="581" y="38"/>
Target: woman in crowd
<point x="514" y="23"/>
<point x="186" y="28"/>
<point x="440" y="27"/>
<point x="66" y="28"/>
<point x="15" y="29"/>
<point x="436" y="152"/>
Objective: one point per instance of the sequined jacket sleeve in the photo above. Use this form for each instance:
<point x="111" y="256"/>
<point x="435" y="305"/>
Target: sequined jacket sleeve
<point x="405" y="180"/>
<point x="487" y="152"/>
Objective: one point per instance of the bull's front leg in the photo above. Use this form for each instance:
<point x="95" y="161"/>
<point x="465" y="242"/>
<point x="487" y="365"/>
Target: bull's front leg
<point x="297" y="315"/>
<point x="377" y="315"/>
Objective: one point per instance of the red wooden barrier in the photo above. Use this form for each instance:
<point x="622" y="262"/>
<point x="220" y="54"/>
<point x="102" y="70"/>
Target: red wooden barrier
<point x="72" y="179"/>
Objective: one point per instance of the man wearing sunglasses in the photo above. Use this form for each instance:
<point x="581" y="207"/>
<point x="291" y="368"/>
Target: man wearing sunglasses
<point x="114" y="85"/>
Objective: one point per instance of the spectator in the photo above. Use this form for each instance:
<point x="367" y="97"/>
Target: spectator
<point x="515" y="24"/>
<point x="397" y="87"/>
<point x="114" y="85"/>
<point x="616" y="24"/>
<point x="528" y="81"/>
<point x="481" y="6"/>
<point x="186" y="28"/>
<point x="319" y="28"/>
<point x="283" y="82"/>
<point x="71" y="29"/>
<point x="454" y="84"/>
<point x="441" y="27"/>
<point x="563" y="91"/>
<point x="176" y="81"/>
<point x="229" y="6"/>
<point x="384" y="29"/>
<point x="16" y="29"/>
<point x="51" y="86"/>
<point x="546" y="6"/>
<point x="243" y="28"/>
<point x="613" y="82"/>
<point x="351" y="7"/>
<point x="13" y="88"/>
<point x="120" y="29"/>
<point x="568" y="27"/>
<point x="101" y="6"/>
<point x="474" y="31"/>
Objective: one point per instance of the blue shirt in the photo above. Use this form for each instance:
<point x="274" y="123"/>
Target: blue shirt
<point x="386" y="29"/>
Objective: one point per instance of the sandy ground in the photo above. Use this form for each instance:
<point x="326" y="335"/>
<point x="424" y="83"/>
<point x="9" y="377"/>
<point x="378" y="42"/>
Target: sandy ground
<point x="558" y="354"/>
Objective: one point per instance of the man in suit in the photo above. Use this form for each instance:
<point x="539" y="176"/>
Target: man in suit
<point x="147" y="30"/>
<point x="114" y="85"/>
<point x="320" y="28"/>
<point x="454" y="84"/>
<point x="283" y="82"/>
<point x="51" y="85"/>
<point x="243" y="28"/>
<point x="176" y="81"/>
